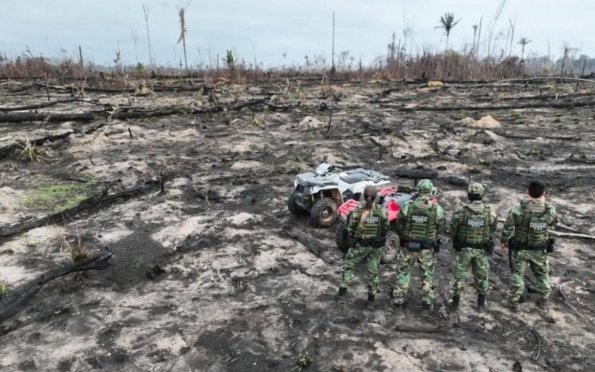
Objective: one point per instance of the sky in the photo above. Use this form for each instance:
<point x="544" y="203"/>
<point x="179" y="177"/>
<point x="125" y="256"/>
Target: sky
<point x="265" y="30"/>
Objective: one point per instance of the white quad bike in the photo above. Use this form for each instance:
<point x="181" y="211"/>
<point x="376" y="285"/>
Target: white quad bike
<point x="321" y="193"/>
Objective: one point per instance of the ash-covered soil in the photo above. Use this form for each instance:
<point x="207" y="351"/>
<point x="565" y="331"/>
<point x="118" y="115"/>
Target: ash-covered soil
<point x="204" y="279"/>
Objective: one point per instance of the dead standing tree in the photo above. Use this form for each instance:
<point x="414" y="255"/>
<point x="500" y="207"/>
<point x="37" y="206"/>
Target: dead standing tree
<point x="181" y="13"/>
<point x="523" y="42"/>
<point x="146" y="10"/>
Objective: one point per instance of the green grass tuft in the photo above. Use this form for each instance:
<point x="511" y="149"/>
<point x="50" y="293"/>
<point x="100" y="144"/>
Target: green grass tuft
<point x="57" y="198"/>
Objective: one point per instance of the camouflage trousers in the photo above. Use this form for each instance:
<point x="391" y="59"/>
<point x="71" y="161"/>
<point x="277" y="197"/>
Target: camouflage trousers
<point x="480" y="266"/>
<point x="405" y="262"/>
<point x="353" y="257"/>
<point x="538" y="261"/>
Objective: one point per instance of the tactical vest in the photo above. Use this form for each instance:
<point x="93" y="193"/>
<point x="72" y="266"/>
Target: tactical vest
<point x="372" y="224"/>
<point x="474" y="230"/>
<point x="421" y="223"/>
<point x="531" y="231"/>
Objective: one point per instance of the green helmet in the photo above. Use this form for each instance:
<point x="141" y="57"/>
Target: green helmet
<point x="476" y="189"/>
<point x="425" y="187"/>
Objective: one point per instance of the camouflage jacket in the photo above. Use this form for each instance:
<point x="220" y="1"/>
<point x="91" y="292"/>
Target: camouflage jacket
<point x="376" y="224"/>
<point x="457" y="227"/>
<point x="436" y="225"/>
<point x="515" y="221"/>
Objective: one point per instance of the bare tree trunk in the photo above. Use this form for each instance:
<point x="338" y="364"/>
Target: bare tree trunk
<point x="135" y="39"/>
<point x="185" y="59"/>
<point x="81" y="57"/>
<point x="479" y="35"/>
<point x="210" y="59"/>
<point x="147" y="10"/>
<point x="512" y="26"/>
<point x="564" y="61"/>
<point x="474" y="36"/>
<point x="333" y="48"/>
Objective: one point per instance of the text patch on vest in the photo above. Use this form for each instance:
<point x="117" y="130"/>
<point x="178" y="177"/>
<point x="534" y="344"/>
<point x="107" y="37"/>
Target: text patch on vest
<point x="538" y="225"/>
<point x="372" y="220"/>
<point x="475" y="223"/>
<point x="419" y="219"/>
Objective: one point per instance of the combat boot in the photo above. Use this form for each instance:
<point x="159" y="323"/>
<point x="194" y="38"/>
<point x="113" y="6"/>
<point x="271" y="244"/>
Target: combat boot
<point x="454" y="305"/>
<point x="370" y="301"/>
<point x="513" y="306"/>
<point x="398" y="308"/>
<point x="341" y="295"/>
<point x="481" y="303"/>
<point x="543" y="306"/>
<point x="428" y="309"/>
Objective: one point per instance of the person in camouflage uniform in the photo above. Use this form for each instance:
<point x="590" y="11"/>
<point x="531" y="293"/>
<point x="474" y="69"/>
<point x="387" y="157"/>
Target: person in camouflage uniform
<point x="367" y="226"/>
<point x="526" y="234"/>
<point x="418" y="224"/>
<point x="472" y="227"/>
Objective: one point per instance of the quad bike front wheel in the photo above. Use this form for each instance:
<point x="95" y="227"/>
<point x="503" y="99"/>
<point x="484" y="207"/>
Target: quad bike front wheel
<point x="391" y="248"/>
<point x="293" y="207"/>
<point x="323" y="213"/>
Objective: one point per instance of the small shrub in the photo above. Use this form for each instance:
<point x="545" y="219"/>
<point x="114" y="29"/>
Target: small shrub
<point x="3" y="290"/>
<point x="463" y="114"/>
<point x="77" y="252"/>
<point x="515" y="114"/>
<point x="31" y="153"/>
<point x="304" y="360"/>
<point x="483" y="161"/>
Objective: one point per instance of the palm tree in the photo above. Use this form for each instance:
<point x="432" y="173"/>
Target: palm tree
<point x="447" y="22"/>
<point x="523" y="42"/>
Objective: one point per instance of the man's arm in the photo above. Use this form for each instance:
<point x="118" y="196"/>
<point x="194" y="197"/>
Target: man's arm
<point x="509" y="225"/>
<point x="493" y="222"/>
<point x="402" y="218"/>
<point x="554" y="214"/>
<point x="440" y="219"/>
<point x="385" y="222"/>
<point x="455" y="222"/>
<point x="352" y="221"/>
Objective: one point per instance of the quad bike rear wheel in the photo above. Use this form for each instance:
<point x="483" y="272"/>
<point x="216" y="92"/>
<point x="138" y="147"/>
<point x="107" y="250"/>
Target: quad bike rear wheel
<point x="293" y="207"/>
<point x="323" y="213"/>
<point x="391" y="248"/>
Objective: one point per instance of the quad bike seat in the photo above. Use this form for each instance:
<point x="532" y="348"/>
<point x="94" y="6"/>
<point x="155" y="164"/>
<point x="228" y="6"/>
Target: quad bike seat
<point x="353" y="177"/>
<point x="358" y="175"/>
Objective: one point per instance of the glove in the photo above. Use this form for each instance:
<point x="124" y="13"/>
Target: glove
<point x="437" y="246"/>
<point x="550" y="245"/>
<point x="490" y="247"/>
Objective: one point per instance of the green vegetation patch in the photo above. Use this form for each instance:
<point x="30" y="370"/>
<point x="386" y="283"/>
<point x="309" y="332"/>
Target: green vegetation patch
<point x="56" y="198"/>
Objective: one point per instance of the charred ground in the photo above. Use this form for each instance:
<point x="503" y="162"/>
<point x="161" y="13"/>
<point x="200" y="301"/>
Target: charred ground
<point x="203" y="278"/>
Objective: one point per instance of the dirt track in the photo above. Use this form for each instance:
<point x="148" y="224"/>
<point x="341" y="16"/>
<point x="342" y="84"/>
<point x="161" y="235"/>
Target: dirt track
<point x="237" y="294"/>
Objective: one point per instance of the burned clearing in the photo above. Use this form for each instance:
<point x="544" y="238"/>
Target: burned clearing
<point x="186" y="184"/>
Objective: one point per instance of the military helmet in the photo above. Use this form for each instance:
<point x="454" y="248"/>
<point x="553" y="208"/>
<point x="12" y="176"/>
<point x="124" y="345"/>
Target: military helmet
<point x="476" y="189"/>
<point x="425" y="187"/>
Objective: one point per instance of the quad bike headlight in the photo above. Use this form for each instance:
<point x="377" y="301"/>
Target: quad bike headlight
<point x="295" y="182"/>
<point x="314" y="189"/>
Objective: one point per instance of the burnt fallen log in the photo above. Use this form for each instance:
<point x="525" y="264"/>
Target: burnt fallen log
<point x="16" y="299"/>
<point x="314" y="245"/>
<point x="50" y="104"/>
<point x="89" y="203"/>
<point x="416" y="174"/>
<point x="9" y="149"/>
<point x="58" y="88"/>
<point x="129" y="114"/>
<point x="456" y="181"/>
<point x="555" y="105"/>
<point x="417" y="328"/>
